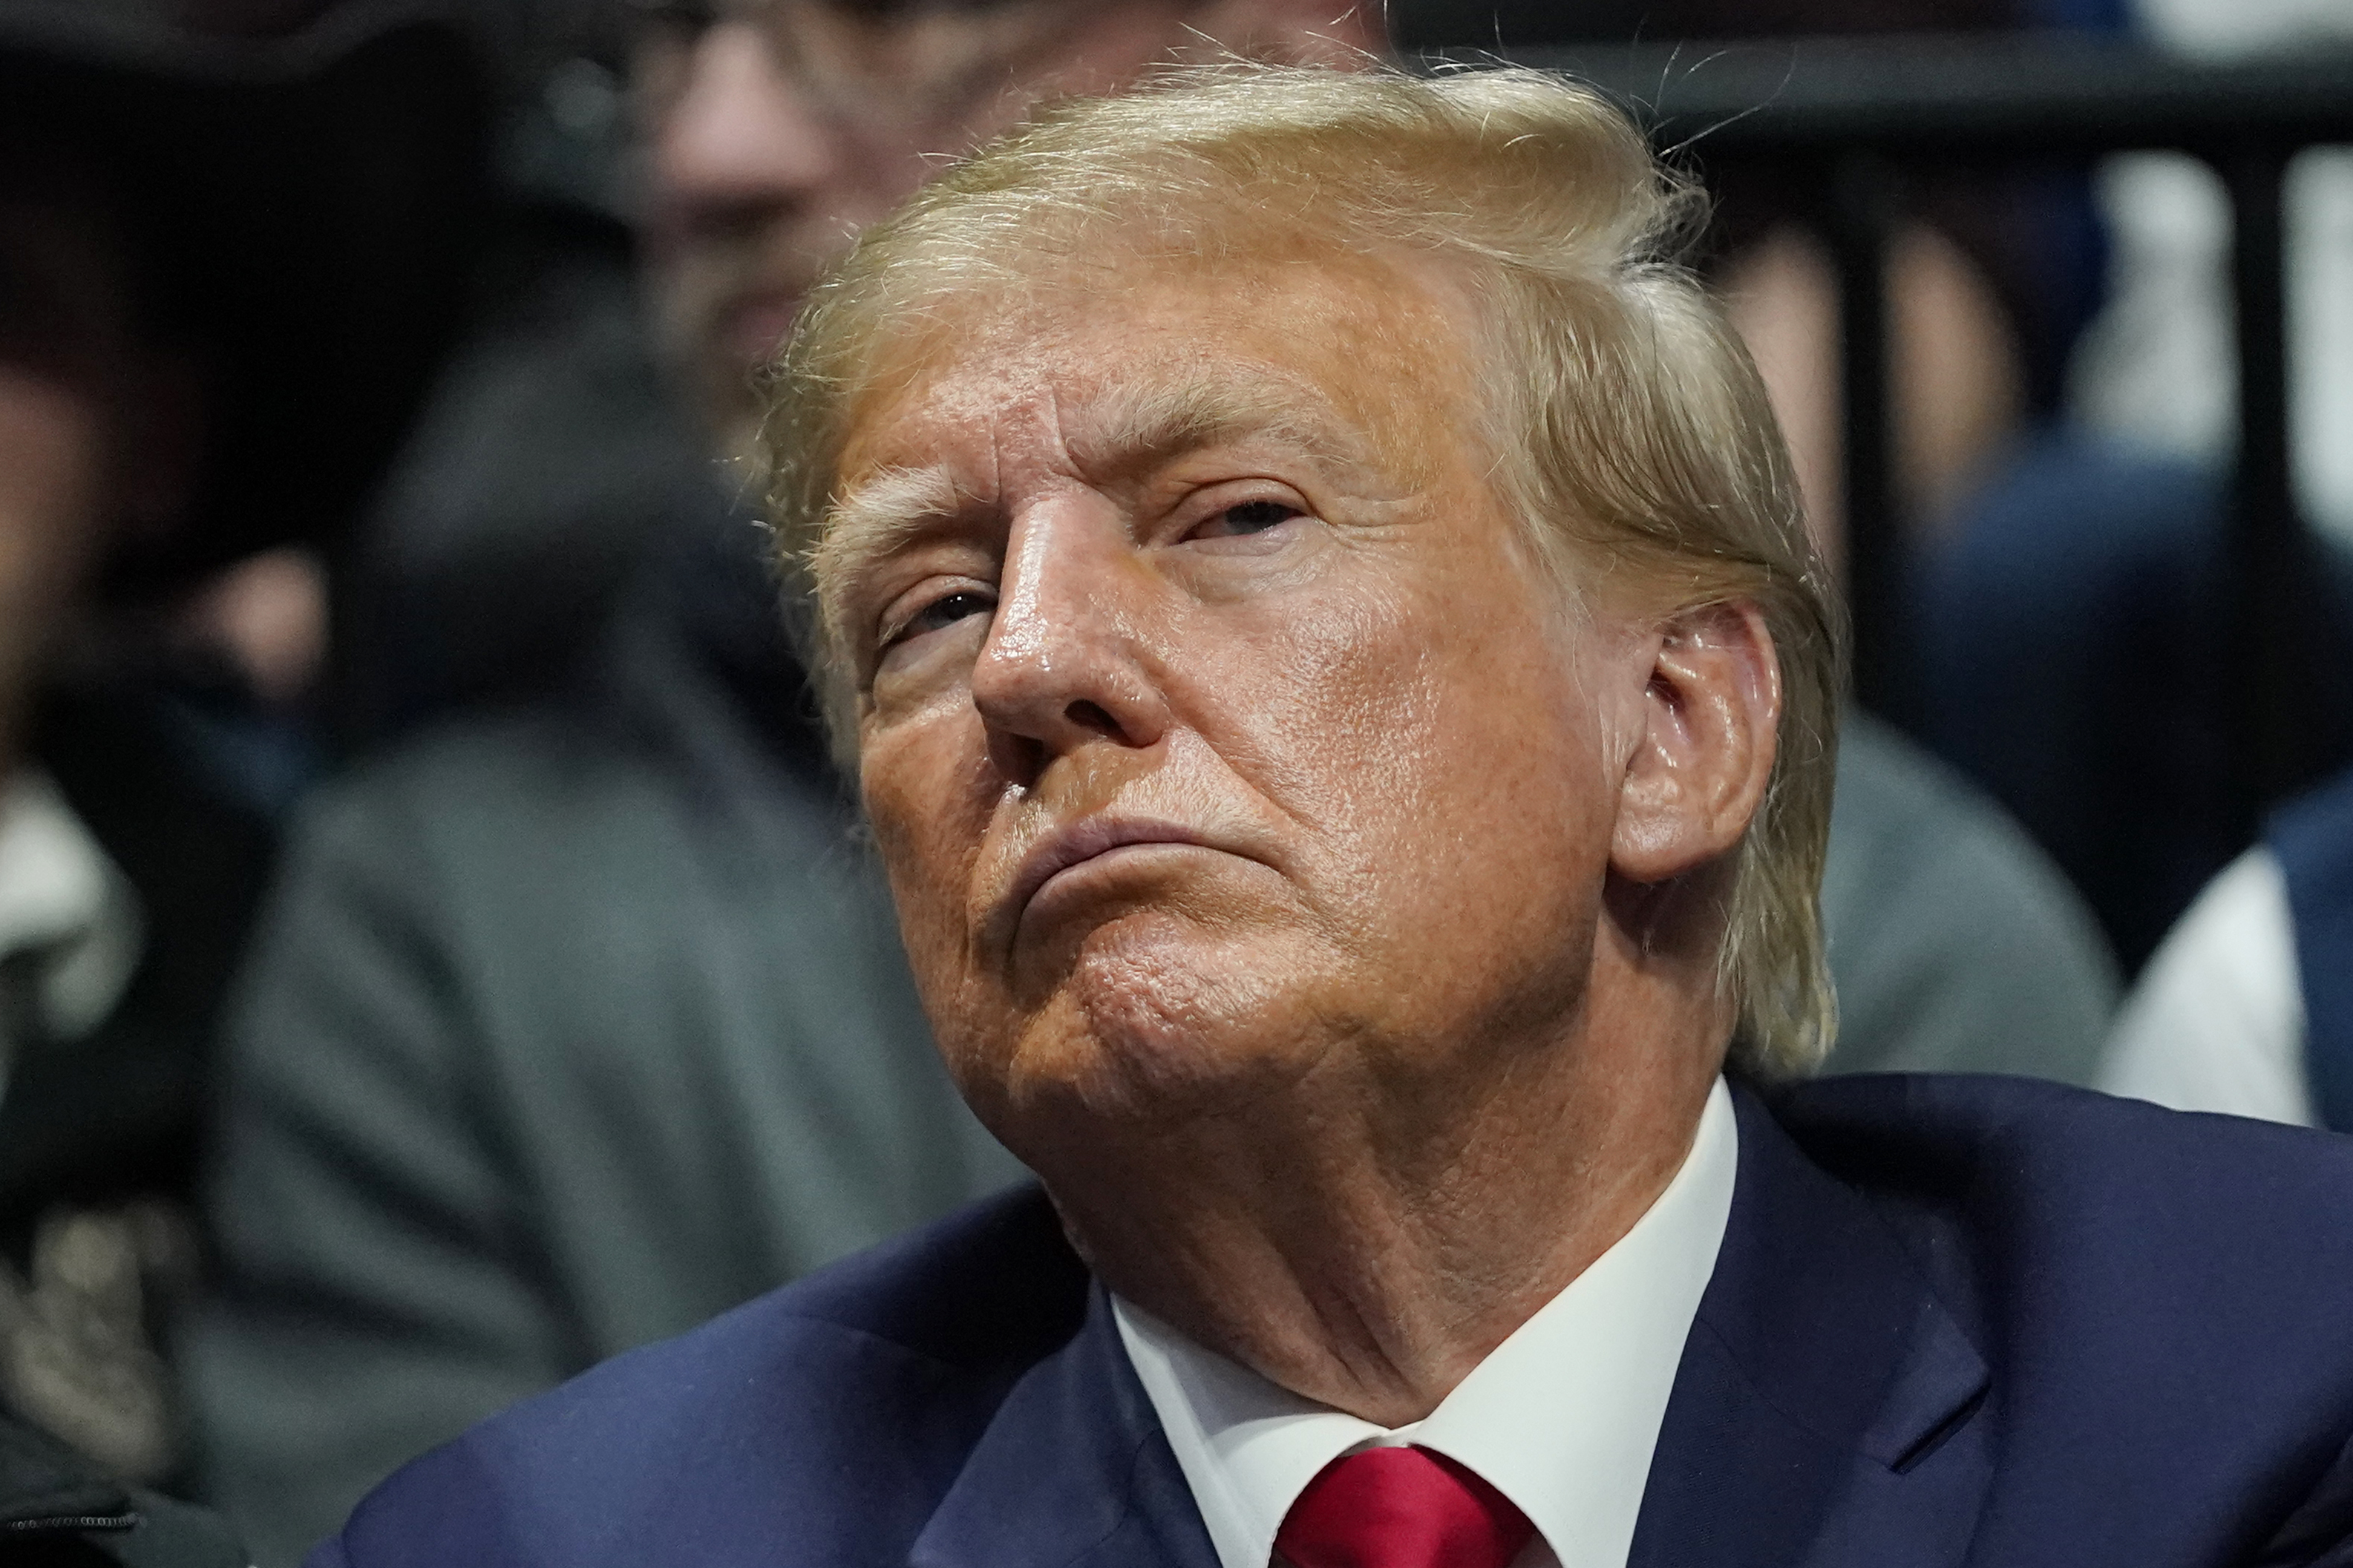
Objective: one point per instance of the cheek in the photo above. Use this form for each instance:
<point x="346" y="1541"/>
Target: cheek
<point x="1358" y="712"/>
<point x="924" y="799"/>
<point x="1425" y="697"/>
<point x="1445" y="758"/>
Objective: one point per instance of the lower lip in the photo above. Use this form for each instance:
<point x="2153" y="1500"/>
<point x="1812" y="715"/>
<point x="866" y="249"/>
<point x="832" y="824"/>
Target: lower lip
<point x="1077" y="881"/>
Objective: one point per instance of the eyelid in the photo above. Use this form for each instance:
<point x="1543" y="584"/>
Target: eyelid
<point x="892" y="623"/>
<point x="1212" y="501"/>
<point x="1205" y="501"/>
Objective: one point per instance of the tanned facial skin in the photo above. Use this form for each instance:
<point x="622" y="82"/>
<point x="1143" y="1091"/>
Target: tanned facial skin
<point x="1324" y="906"/>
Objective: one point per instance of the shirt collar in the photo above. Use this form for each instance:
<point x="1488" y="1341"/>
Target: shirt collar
<point x="1561" y="1418"/>
<point x="63" y="899"/>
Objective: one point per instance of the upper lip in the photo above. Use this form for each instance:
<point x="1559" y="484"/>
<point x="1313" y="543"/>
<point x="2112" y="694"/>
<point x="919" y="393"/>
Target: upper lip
<point x="1081" y="841"/>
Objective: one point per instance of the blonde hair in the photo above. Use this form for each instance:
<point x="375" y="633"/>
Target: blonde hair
<point x="1633" y="435"/>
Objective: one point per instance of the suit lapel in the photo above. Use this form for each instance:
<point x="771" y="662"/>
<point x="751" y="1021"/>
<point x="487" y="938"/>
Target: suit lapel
<point x="1073" y="1473"/>
<point x="1827" y="1411"/>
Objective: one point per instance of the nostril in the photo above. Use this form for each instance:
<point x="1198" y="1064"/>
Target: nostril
<point x="1090" y="716"/>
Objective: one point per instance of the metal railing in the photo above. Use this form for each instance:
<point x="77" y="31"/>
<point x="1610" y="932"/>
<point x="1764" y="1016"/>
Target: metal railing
<point x="1856" y="113"/>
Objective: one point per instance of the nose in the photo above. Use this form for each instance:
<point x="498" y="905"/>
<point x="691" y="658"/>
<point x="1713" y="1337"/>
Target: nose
<point x="742" y="140"/>
<point x="1065" y="666"/>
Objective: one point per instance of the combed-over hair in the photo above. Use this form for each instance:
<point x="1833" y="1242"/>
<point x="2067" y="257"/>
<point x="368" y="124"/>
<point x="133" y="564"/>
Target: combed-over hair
<point x="1632" y="435"/>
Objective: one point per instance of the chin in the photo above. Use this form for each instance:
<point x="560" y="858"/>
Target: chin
<point x="1158" y="1022"/>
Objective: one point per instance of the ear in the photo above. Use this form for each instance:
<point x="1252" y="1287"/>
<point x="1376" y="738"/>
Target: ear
<point x="1300" y="32"/>
<point x="1697" y="774"/>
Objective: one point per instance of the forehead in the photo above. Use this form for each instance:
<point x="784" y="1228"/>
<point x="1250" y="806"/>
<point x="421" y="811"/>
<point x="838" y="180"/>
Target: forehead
<point x="1351" y="354"/>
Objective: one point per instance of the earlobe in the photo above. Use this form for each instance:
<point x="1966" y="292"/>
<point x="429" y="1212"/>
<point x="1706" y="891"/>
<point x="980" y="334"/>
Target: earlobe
<point x="1697" y="772"/>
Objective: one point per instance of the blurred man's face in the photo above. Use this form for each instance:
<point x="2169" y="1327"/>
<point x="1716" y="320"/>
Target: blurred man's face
<point x="776" y="127"/>
<point x="1216" y="727"/>
<point x="63" y="341"/>
<point x="101" y="438"/>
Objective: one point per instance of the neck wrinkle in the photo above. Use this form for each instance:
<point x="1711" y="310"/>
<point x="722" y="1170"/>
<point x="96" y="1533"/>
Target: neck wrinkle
<point x="1288" y="1242"/>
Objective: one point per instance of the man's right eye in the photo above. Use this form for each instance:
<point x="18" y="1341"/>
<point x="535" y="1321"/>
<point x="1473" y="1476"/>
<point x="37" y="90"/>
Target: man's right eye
<point x="941" y="613"/>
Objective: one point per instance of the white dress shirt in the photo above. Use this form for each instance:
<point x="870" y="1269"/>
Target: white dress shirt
<point x="62" y="899"/>
<point x="1561" y="1418"/>
<point x="2217" y="1021"/>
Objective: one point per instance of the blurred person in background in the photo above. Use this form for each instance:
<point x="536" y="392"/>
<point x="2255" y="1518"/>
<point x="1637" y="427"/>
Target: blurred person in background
<point x="226" y="265"/>
<point x="2158" y="367"/>
<point x="2075" y="618"/>
<point x="2247" y="1007"/>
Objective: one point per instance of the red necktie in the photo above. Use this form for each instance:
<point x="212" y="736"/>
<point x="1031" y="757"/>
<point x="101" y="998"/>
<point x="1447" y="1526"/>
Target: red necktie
<point x="1400" y="1508"/>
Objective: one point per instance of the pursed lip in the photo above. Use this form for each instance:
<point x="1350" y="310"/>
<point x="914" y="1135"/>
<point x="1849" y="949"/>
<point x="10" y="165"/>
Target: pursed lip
<point x="1075" y="845"/>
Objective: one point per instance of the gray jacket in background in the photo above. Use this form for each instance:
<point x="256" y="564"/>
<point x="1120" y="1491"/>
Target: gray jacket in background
<point x="1957" y="945"/>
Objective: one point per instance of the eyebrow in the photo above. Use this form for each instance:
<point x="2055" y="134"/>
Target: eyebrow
<point x="864" y="528"/>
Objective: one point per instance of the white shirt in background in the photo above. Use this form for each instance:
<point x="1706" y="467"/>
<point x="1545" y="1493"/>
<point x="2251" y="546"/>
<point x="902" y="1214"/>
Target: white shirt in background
<point x="2217" y="1021"/>
<point x="1561" y="1418"/>
<point x="62" y="898"/>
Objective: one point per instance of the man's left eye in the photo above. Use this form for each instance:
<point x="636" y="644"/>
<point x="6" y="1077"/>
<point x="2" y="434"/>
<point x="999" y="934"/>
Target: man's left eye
<point x="1246" y="517"/>
<point x="940" y="614"/>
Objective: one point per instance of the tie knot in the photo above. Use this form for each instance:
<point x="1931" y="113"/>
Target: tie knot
<point x="1400" y="1508"/>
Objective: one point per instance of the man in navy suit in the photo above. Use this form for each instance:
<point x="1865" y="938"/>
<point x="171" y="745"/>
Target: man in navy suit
<point x="1321" y="618"/>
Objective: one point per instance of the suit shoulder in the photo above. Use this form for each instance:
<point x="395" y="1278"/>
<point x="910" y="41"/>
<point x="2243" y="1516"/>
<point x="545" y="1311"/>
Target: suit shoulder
<point x="2096" y="1196"/>
<point x="1903" y="1129"/>
<point x="994" y="1282"/>
<point x="846" y="1400"/>
<point x="2158" y="1297"/>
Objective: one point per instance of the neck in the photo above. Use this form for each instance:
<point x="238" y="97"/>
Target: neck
<point x="1370" y="1238"/>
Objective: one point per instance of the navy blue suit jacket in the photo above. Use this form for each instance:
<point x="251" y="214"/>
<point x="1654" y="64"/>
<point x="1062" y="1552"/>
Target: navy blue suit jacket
<point x="1955" y="1321"/>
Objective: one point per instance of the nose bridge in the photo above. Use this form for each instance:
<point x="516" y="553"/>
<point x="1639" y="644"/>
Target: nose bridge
<point x="1059" y="667"/>
<point x="1057" y="594"/>
<point x="741" y="132"/>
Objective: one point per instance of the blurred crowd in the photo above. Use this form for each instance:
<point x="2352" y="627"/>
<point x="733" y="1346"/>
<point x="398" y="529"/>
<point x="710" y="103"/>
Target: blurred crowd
<point x="436" y="950"/>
